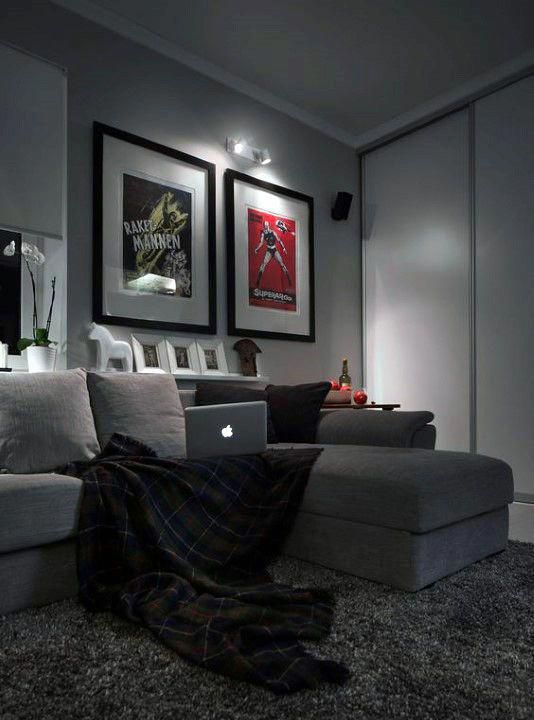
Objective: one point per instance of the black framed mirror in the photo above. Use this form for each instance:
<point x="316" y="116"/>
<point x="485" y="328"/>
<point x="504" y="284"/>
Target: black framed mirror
<point x="10" y="291"/>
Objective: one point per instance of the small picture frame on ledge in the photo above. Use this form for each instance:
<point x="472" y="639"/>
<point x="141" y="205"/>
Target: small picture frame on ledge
<point x="150" y="353"/>
<point x="182" y="353"/>
<point x="212" y="357"/>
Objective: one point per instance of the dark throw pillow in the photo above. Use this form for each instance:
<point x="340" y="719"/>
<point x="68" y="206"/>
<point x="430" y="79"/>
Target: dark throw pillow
<point x="218" y="394"/>
<point x="295" y="410"/>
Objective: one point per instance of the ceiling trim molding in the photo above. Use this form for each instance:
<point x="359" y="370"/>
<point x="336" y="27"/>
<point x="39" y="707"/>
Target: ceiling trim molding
<point x="463" y="94"/>
<point x="141" y="35"/>
<point x="474" y="89"/>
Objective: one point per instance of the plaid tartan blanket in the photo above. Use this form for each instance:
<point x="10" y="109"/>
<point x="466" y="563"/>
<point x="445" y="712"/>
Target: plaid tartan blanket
<point x="182" y="546"/>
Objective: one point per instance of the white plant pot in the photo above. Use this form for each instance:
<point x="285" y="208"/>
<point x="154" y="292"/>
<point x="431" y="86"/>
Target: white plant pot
<point x="41" y="359"/>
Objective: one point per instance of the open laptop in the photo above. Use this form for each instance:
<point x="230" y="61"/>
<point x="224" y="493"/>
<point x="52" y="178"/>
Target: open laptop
<point x="231" y="429"/>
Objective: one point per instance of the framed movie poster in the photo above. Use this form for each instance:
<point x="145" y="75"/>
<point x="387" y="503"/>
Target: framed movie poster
<point x="270" y="260"/>
<point x="154" y="235"/>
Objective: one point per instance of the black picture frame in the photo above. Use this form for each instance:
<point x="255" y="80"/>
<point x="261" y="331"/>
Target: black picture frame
<point x="231" y="176"/>
<point x="101" y="130"/>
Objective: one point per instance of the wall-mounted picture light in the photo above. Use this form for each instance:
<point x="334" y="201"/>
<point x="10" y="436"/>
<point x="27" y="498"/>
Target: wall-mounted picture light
<point x="244" y="150"/>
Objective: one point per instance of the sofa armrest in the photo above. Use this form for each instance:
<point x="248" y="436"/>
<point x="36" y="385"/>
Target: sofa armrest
<point x="375" y="427"/>
<point x="187" y="396"/>
<point x="425" y="438"/>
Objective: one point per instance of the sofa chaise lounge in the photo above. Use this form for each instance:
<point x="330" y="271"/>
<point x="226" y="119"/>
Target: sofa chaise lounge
<point x="380" y="502"/>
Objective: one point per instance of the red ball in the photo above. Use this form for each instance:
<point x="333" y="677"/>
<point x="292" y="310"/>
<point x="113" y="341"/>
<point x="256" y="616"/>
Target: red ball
<point x="334" y="385"/>
<point x="360" y="397"/>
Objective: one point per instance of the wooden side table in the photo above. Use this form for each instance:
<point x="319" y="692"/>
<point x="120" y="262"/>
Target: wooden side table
<point x="369" y="406"/>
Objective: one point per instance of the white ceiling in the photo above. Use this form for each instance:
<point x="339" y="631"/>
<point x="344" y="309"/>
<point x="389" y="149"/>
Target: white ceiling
<point x="352" y="64"/>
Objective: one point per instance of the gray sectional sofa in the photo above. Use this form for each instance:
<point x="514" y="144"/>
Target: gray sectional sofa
<point x="380" y="502"/>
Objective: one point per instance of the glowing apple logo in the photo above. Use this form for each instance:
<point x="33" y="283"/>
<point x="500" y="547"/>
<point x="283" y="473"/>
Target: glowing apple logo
<point x="227" y="431"/>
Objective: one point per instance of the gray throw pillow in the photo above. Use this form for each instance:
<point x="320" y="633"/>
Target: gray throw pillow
<point x="45" y="421"/>
<point x="147" y="407"/>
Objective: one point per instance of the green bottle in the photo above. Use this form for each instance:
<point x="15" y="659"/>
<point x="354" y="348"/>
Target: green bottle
<point x="345" y="378"/>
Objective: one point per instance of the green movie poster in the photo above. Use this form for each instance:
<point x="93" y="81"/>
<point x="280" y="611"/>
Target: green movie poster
<point x="156" y="236"/>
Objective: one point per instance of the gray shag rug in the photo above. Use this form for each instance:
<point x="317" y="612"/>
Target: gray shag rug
<point x="463" y="648"/>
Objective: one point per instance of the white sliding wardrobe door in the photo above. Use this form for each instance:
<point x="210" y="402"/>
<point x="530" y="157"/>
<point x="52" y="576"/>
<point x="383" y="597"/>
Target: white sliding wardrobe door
<point x="504" y="123"/>
<point x="417" y="250"/>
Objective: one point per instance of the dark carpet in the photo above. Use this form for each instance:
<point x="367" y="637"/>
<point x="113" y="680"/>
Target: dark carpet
<point x="463" y="648"/>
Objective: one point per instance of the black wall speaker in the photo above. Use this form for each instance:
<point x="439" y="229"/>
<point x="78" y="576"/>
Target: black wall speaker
<point x="341" y="208"/>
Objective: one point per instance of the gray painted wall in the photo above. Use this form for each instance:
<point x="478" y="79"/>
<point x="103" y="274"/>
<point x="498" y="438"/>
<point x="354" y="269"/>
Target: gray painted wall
<point x="120" y="83"/>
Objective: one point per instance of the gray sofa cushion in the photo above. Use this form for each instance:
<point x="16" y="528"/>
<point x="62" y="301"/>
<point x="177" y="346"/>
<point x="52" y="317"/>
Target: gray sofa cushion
<point x="405" y="488"/>
<point x="146" y="407"/>
<point x="45" y="421"/>
<point x="371" y="427"/>
<point x="405" y="560"/>
<point x="37" y="509"/>
<point x="37" y="576"/>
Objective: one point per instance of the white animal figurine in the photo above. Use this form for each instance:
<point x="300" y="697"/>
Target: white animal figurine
<point x="110" y="349"/>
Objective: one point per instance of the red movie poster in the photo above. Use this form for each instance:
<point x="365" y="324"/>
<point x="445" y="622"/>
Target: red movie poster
<point x="272" y="250"/>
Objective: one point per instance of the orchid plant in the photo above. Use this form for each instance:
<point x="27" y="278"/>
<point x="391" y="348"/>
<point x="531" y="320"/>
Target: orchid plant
<point x="33" y="256"/>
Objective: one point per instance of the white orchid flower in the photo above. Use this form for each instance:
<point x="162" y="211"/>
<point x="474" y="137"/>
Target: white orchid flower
<point x="29" y="251"/>
<point x="10" y="249"/>
<point x="32" y="253"/>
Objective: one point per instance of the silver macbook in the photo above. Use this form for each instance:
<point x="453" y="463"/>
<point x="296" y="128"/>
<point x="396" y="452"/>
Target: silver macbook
<point x="232" y="429"/>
